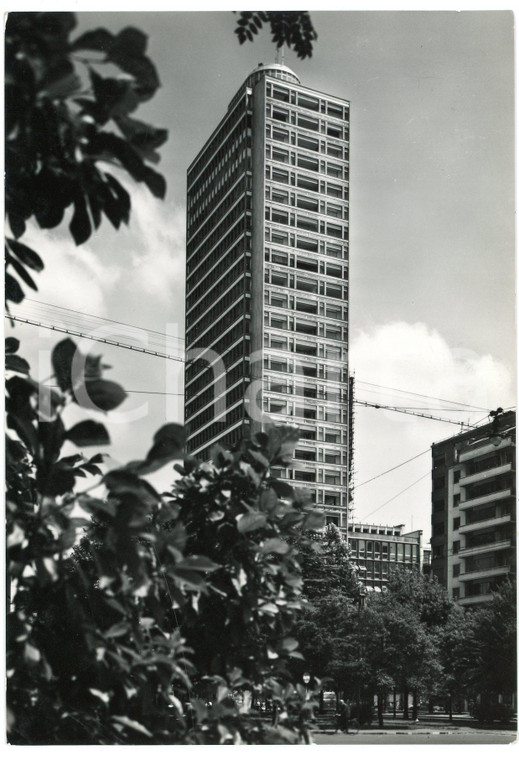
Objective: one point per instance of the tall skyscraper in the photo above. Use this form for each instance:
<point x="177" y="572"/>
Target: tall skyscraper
<point x="267" y="280"/>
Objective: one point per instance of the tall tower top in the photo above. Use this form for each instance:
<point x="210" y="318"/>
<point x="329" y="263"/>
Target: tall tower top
<point x="278" y="70"/>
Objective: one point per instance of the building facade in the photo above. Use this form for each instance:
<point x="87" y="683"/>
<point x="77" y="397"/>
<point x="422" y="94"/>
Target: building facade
<point x="267" y="280"/>
<point x="379" y="549"/>
<point x="473" y="510"/>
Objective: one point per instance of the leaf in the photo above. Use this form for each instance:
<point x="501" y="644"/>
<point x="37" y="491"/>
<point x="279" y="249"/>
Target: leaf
<point x="11" y="345"/>
<point x="26" y="255"/>
<point x="289" y="644"/>
<point x="99" y="394"/>
<point x="155" y="182"/>
<point x="22" y="272"/>
<point x="313" y="520"/>
<point x="274" y="546"/>
<point x="13" y="291"/>
<point x="96" y="39"/>
<point x="124" y="721"/>
<point x="16" y="364"/>
<point x="88" y="433"/>
<point x="119" y="629"/>
<point x="189" y="577"/>
<point x="80" y="226"/>
<point x="197" y="562"/>
<point x="283" y="489"/>
<point x="62" y="356"/>
<point x="252" y="521"/>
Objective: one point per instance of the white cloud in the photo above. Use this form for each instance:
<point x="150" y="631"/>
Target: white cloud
<point x="413" y="357"/>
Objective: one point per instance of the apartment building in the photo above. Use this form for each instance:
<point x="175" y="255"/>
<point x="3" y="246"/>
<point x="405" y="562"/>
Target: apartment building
<point x="473" y="510"/>
<point x="378" y="549"/>
<point x="267" y="280"/>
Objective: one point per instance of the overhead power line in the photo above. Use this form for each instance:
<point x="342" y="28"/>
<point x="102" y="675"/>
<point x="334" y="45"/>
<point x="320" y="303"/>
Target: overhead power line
<point x="375" y="477"/>
<point x="427" y="474"/>
<point x="422" y="395"/>
<point x="408" y="411"/>
<point x="104" y="319"/>
<point x="96" y="339"/>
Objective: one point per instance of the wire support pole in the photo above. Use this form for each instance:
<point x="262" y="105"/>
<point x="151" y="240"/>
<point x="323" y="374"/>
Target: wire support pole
<point x="108" y="341"/>
<point x="414" y="414"/>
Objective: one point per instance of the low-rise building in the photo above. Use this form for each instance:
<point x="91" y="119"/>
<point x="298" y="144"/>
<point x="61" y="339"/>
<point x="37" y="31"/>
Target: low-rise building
<point x="377" y="549"/>
<point x="473" y="510"/>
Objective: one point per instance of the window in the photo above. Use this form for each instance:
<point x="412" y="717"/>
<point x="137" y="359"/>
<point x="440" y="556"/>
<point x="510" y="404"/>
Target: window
<point x="333" y="332"/>
<point x="278" y="343"/>
<point x="334" y="291"/>
<point x="335" y="312"/>
<point x="278" y="175"/>
<point x="309" y="204"/>
<point x="278" y="407"/>
<point x="455" y="547"/>
<point x="457" y="475"/>
<point x="305" y="244"/>
<point x="280" y="155"/>
<point x="280" y="217"/>
<point x="280" y="115"/>
<point x="309" y="455"/>
<point x="305" y="182"/>
<point x="309" y="265"/>
<point x="305" y="101"/>
<point x="280" y="94"/>
<point x="334" y="230"/>
<point x="333" y="170"/>
<point x="278" y="366"/>
<point x="307" y="142"/>
<point x="279" y="278"/>
<point x="332" y="499"/>
<point x="456" y="500"/>
<point x="307" y="123"/>
<point x="455" y="571"/>
<point x="278" y="300"/>
<point x="281" y="135"/>
<point x="304" y="223"/>
<point x="456" y="523"/>
<point x="308" y="163"/>
<point x="333" y="270"/>
<point x="334" y="190"/>
<point x="307" y="412"/>
<point x="279" y="196"/>
<point x="303" y="475"/>
<point x="310" y="307"/>
<point x="332" y="436"/>
<point x="281" y="238"/>
<point x="279" y="258"/>
<point x="310" y="286"/>
<point x="335" y="110"/>
<point x="280" y="323"/>
<point x="334" y="211"/>
<point x="332" y="478"/>
<point x="310" y="328"/>
<point x="310" y="349"/>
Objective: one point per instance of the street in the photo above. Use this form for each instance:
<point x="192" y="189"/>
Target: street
<point x="479" y="737"/>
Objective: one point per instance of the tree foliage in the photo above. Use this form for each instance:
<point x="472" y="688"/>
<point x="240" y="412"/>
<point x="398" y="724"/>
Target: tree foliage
<point x="291" y="28"/>
<point x="69" y="107"/>
<point x="170" y="603"/>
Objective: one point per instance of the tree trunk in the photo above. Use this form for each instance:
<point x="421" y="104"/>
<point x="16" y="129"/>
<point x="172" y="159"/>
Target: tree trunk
<point x="380" y="708"/>
<point x="406" y="704"/>
<point x="415" y="705"/>
<point x="321" y="701"/>
<point x="394" y="703"/>
<point x="450" y="707"/>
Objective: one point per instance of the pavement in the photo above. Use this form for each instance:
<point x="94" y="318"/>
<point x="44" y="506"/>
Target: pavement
<point x="428" y="725"/>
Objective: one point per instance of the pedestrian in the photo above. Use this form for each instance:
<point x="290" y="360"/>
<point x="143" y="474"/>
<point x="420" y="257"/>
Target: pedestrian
<point x="343" y="717"/>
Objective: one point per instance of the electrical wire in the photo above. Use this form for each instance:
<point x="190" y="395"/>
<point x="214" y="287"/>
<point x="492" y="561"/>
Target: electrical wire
<point x="104" y="319"/>
<point x="421" y="395"/>
<point x="427" y="474"/>
<point x="393" y="468"/>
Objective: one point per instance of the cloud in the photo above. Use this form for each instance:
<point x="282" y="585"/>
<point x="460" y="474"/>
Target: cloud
<point x="396" y="357"/>
<point x="417" y="358"/>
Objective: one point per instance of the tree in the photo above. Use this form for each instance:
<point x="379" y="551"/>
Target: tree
<point x="291" y="28"/>
<point x="168" y="601"/>
<point x="66" y="123"/>
<point x="99" y="634"/>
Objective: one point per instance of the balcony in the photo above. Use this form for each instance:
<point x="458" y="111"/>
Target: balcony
<point x="478" y="451"/>
<point x="489" y="572"/>
<point x="490" y="522"/>
<point x="486" y="498"/>
<point x="477" y="599"/>
<point x="472" y="551"/>
<point x="485" y="474"/>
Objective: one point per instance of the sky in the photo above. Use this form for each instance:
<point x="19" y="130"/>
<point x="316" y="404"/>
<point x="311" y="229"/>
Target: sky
<point x="431" y="231"/>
